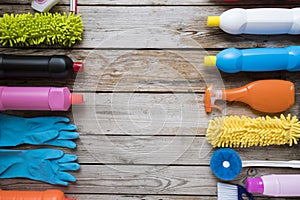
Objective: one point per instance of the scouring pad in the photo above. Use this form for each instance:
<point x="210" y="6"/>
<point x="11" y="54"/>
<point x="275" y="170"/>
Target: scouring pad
<point x="226" y="164"/>
<point x="235" y="131"/>
<point x="40" y="28"/>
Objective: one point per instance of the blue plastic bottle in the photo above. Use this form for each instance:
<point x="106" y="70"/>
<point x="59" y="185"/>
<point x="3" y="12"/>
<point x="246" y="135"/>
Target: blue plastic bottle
<point x="233" y="60"/>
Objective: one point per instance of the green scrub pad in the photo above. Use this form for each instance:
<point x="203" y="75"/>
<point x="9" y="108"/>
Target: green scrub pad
<point x="40" y="28"/>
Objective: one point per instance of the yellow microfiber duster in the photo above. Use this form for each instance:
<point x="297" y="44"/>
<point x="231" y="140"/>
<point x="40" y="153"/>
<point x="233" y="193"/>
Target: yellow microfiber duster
<point x="234" y="131"/>
<point x="40" y="28"/>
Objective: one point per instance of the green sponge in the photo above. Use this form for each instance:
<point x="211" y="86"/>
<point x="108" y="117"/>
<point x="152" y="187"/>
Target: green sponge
<point x="40" y="28"/>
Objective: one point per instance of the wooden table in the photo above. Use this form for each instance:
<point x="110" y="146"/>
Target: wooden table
<point x="142" y="127"/>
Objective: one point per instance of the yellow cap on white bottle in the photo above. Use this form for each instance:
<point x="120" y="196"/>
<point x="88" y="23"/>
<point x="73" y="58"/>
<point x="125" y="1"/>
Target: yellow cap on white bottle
<point x="213" y="20"/>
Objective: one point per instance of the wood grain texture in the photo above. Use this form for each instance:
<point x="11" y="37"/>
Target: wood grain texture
<point x="142" y="127"/>
<point x="125" y="179"/>
<point x="158" y="197"/>
<point x="161" y="71"/>
<point x="166" y="2"/>
<point x="140" y="179"/>
<point x="152" y="114"/>
<point x="158" y="27"/>
<point x="162" y="150"/>
<point x="137" y="128"/>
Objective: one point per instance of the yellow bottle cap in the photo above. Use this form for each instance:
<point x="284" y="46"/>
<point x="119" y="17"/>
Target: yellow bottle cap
<point x="213" y="20"/>
<point x="210" y="60"/>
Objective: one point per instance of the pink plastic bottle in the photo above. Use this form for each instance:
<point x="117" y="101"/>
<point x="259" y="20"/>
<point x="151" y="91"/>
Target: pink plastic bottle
<point x="276" y="185"/>
<point x="37" y="98"/>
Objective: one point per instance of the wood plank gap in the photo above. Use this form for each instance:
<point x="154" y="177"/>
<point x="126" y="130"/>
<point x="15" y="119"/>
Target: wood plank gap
<point x="141" y="194"/>
<point x="142" y="49"/>
<point x="154" y="5"/>
<point x="145" y="164"/>
<point x="148" y="135"/>
<point x="230" y="5"/>
<point x="138" y="92"/>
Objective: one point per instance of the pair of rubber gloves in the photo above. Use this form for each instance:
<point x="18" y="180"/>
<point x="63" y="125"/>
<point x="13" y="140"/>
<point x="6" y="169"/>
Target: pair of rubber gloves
<point x="47" y="165"/>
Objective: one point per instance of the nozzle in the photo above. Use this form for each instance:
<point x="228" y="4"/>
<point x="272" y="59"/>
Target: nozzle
<point x="78" y="66"/>
<point x="210" y="97"/>
<point x="210" y="60"/>
<point x="207" y="100"/>
<point x="213" y="20"/>
<point x="76" y="99"/>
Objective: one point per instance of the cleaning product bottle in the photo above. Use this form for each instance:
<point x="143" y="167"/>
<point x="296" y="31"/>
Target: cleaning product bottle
<point x="277" y="185"/>
<point x="57" y="66"/>
<point x="33" y="195"/>
<point x="258" y="21"/>
<point x="43" y="5"/>
<point x="37" y="98"/>
<point x="256" y="60"/>
<point x="268" y="96"/>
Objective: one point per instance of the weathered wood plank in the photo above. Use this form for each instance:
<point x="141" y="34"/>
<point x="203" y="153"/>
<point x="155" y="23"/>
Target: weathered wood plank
<point x="143" y="71"/>
<point x="147" y="114"/>
<point x="96" y="146"/>
<point x="123" y="127"/>
<point x="146" y="110"/>
<point x="158" y="27"/>
<point x="166" y="2"/>
<point x="151" y="115"/>
<point x="139" y="179"/>
<point x="152" y="129"/>
<point x="165" y="27"/>
<point x="112" y="179"/>
<point x="141" y="197"/>
<point x="159" y="197"/>
<point x="164" y="150"/>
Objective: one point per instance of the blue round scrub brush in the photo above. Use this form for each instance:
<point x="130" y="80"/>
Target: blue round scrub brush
<point x="226" y="164"/>
<point x="40" y="28"/>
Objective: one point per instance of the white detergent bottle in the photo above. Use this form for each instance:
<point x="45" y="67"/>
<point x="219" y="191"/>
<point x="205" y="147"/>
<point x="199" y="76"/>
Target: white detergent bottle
<point x="258" y="21"/>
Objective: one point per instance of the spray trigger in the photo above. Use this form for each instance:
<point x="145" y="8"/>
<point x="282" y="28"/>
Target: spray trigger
<point x="210" y="97"/>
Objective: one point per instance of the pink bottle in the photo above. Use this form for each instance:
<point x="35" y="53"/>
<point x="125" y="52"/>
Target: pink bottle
<point x="37" y="98"/>
<point x="276" y="185"/>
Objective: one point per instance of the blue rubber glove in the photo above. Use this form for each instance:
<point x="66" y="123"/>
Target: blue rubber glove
<point x="54" y="131"/>
<point x="47" y="165"/>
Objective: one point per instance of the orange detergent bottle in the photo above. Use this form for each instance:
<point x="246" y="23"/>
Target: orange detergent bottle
<point x="33" y="195"/>
<point x="270" y="96"/>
